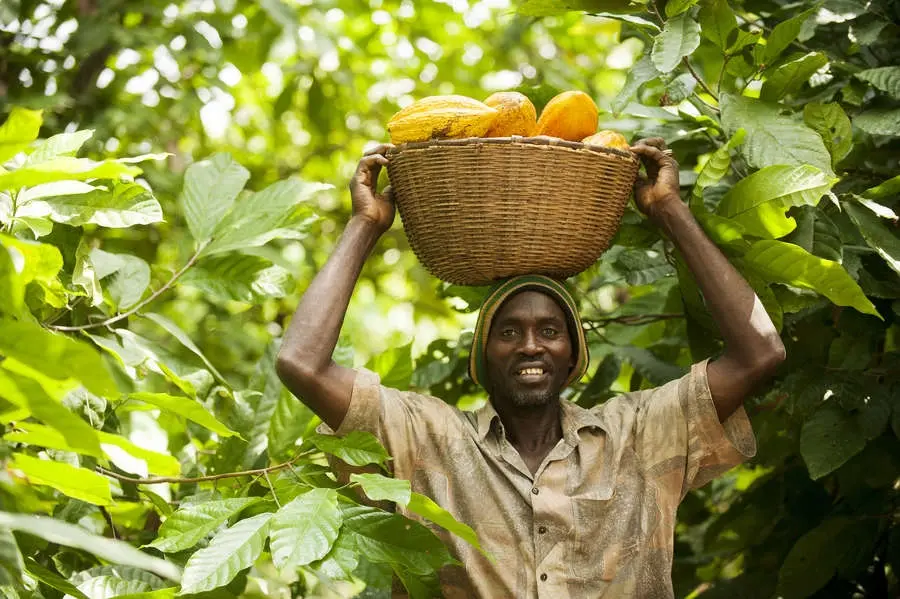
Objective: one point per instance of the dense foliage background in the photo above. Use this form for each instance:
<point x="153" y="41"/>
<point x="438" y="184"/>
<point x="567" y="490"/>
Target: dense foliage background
<point x="137" y="328"/>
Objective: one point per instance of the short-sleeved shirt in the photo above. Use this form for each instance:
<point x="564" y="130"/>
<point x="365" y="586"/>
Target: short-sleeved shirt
<point x="597" y="519"/>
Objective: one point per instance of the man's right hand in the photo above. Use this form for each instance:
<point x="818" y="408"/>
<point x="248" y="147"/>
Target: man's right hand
<point x="368" y="204"/>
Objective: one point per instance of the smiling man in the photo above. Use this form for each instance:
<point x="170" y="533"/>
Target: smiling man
<point x="570" y="502"/>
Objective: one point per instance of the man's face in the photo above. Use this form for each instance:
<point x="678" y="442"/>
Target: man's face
<point x="529" y="351"/>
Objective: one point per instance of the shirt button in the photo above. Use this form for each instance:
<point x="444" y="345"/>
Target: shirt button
<point x="543" y="577"/>
<point x="535" y="490"/>
<point x="542" y="530"/>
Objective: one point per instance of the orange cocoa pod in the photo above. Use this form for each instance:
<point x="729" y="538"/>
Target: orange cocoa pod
<point x="608" y="139"/>
<point x="570" y="115"/>
<point x="517" y="115"/>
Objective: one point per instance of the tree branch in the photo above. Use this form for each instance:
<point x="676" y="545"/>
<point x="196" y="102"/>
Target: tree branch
<point x="198" y="479"/>
<point x="632" y="319"/>
<point x="699" y="79"/>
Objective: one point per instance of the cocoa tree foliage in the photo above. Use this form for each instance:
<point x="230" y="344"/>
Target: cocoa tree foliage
<point x="174" y="174"/>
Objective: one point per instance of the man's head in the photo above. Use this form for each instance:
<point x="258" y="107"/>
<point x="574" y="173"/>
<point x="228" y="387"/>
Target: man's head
<point x="528" y="342"/>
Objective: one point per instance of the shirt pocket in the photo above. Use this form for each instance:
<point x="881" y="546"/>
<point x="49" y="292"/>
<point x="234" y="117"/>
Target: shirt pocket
<point x="606" y="538"/>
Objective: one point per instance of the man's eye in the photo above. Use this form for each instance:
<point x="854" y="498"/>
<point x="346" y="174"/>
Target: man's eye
<point x="508" y="332"/>
<point x="550" y="332"/>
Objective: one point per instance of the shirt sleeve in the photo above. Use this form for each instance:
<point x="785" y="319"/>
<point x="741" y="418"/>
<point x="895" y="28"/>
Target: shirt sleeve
<point x="401" y="420"/>
<point x="677" y="429"/>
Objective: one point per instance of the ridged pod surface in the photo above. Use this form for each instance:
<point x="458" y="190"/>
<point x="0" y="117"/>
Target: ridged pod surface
<point x="570" y="115"/>
<point x="441" y="117"/>
<point x="517" y="115"/>
<point x="608" y="139"/>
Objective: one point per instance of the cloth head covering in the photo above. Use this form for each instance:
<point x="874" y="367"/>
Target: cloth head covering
<point x="499" y="295"/>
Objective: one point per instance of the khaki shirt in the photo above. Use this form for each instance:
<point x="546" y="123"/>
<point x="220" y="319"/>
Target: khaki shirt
<point x="598" y="517"/>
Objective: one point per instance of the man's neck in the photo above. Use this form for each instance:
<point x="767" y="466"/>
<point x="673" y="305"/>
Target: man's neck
<point x="532" y="431"/>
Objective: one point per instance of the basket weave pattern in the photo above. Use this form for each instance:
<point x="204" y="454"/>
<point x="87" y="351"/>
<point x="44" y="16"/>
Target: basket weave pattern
<point x="479" y="210"/>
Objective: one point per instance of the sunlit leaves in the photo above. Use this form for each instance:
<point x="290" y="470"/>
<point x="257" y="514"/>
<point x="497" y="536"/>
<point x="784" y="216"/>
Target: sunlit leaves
<point x="65" y="168"/>
<point x="79" y="483"/>
<point x="717" y="165"/>
<point x="62" y="144"/>
<point x="781" y="37"/>
<point x="790" y="76"/>
<point x="119" y="206"/>
<point x="679" y="37"/>
<point x="18" y="131"/>
<point x="305" y="529"/>
<point x="357" y="448"/>
<point x="717" y="21"/>
<point x="425" y="507"/>
<point x="174" y="330"/>
<point x="186" y="408"/>
<point x="395" y="366"/>
<point x="239" y="277"/>
<point x="831" y="122"/>
<point x="382" y="488"/>
<point x="643" y="71"/>
<point x="546" y="8"/>
<point x="190" y="524"/>
<point x="210" y="188"/>
<point x="879" y="121"/>
<point x="289" y="421"/>
<point x="126" y="277"/>
<point x="230" y="551"/>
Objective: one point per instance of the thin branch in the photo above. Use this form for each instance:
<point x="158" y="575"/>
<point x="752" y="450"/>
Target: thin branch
<point x="722" y="72"/>
<point x="699" y="79"/>
<point x="272" y="488"/>
<point x="168" y="285"/>
<point x="198" y="479"/>
<point x="633" y="319"/>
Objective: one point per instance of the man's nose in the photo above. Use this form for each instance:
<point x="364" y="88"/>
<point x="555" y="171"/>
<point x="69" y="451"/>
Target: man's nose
<point x="530" y="345"/>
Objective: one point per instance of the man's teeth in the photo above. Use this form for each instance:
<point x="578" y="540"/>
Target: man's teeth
<point x="532" y="371"/>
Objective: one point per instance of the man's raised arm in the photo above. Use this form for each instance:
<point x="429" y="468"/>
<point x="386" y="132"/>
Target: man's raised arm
<point x="305" y="363"/>
<point x="753" y="349"/>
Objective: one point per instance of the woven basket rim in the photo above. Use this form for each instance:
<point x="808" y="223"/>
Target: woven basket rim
<point x="543" y="140"/>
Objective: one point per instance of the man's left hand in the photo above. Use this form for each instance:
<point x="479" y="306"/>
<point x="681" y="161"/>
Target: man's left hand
<point x="659" y="187"/>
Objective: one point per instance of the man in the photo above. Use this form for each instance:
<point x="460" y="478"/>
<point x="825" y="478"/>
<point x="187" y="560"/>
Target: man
<point x="571" y="502"/>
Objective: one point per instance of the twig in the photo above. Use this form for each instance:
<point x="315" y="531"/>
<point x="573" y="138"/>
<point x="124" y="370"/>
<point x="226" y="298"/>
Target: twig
<point x="699" y="79"/>
<point x="109" y="522"/>
<point x="139" y="305"/>
<point x="272" y="488"/>
<point x="632" y="319"/>
<point x="722" y="72"/>
<point x="197" y="479"/>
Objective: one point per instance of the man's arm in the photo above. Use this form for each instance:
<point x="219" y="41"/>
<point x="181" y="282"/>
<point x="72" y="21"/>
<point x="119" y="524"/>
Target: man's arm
<point x="305" y="363"/>
<point x="753" y="349"/>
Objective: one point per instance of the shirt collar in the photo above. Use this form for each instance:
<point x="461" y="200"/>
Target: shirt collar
<point x="574" y="419"/>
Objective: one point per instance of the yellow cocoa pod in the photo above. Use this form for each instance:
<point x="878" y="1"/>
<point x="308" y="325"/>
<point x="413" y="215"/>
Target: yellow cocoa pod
<point x="570" y="115"/>
<point x="517" y="115"/>
<point x="608" y="139"/>
<point x="441" y="117"/>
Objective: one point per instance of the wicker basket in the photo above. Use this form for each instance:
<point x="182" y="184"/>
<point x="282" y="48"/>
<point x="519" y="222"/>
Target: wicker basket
<point x="483" y="209"/>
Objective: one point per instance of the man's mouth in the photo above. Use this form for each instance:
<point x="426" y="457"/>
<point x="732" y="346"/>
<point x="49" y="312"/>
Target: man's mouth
<point x="531" y="374"/>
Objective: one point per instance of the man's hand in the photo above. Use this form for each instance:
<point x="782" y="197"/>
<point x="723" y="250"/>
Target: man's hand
<point x="660" y="186"/>
<point x="376" y="208"/>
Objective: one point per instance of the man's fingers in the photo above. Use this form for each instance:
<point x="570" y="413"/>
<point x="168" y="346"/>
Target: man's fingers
<point x="380" y="149"/>
<point x="656" y="142"/>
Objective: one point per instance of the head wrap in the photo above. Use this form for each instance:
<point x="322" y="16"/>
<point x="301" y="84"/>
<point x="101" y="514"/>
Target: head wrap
<point x="498" y="296"/>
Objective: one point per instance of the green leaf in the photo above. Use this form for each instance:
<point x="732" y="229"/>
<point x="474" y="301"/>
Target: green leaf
<point x="190" y="524"/>
<point x="879" y="121"/>
<point x="232" y="550"/>
<point x="884" y="189"/>
<point x="239" y="277"/>
<point x="876" y="234"/>
<point x="174" y="330"/>
<point x="79" y="483"/>
<point x="782" y="35"/>
<point x="680" y="36"/>
<point x="357" y="448"/>
<point x="51" y="579"/>
<point x="109" y="586"/>
<point x="62" y="144"/>
<point x="11" y="564"/>
<point x="382" y="488"/>
<point x="640" y="73"/>
<point x="12" y="287"/>
<point x="157" y="463"/>
<point x="758" y="202"/>
<point x="887" y="79"/>
<point x="828" y="439"/>
<point x="817" y="234"/>
<point x="304" y="530"/>
<point x="20" y="129"/>
<point x="210" y="188"/>
<point x="790" y="76"/>
<point x="676" y="7"/>
<point x="123" y="205"/>
<point x="185" y="407"/>
<point x="130" y="276"/>
<point x="717" y="165"/>
<point x="167" y="593"/>
<point x="65" y="168"/>
<point x="717" y="21"/>
<point x="780" y="262"/>
<point x="547" y="8"/>
<point x="287" y="424"/>
<point x="833" y="125"/>
<point x="257" y="218"/>
<point x="34" y="261"/>
<point x="395" y="366"/>
<point x="56" y="356"/>
<point x="63" y="533"/>
<point x="45" y="436"/>
<point x="85" y="275"/>
<point x="772" y="139"/>
<point x="426" y="508"/>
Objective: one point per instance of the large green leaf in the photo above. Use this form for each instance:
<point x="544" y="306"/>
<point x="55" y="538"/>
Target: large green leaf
<point x="56" y="356"/>
<point x="790" y="76"/>
<point x="640" y="73"/>
<point x="130" y="276"/>
<point x="52" y="579"/>
<point x="680" y="36"/>
<point x="877" y="235"/>
<point x="717" y="165"/>
<point x="383" y="488"/>
<point x="185" y="407"/>
<point x="11" y="564"/>
<point x="357" y="448"/>
<point x="781" y="37"/>
<point x="817" y="234"/>
<point x="257" y="218"/>
<point x="833" y="125"/>
<point x="122" y="205"/>
<point x="232" y="550"/>
<point x="210" y="188"/>
<point x="108" y="586"/>
<point x="34" y="261"/>
<point x="190" y="524"/>
<point x="18" y="131"/>
<point x="717" y="21"/>
<point x="395" y="366"/>
<point x="239" y="277"/>
<point x="879" y="121"/>
<point x="65" y="168"/>
<point x="887" y="79"/>
<point x="62" y="144"/>
<point x="174" y="330"/>
<point x="773" y="139"/>
<point x="288" y="423"/>
<point x="828" y="439"/>
<point x="758" y="202"/>
<point x="46" y="436"/>
<point x="304" y="530"/>
<point x="883" y="189"/>
<point x="79" y="483"/>
<point x="781" y="262"/>
<point x="425" y="507"/>
<point x="70" y="535"/>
